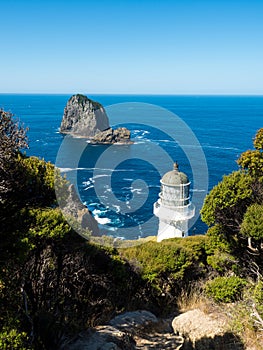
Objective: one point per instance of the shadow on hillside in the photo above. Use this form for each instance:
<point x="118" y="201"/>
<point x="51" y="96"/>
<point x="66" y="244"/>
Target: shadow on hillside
<point x="227" y="341"/>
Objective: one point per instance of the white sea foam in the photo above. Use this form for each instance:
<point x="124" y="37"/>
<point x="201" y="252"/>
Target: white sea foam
<point x="66" y="170"/>
<point x="221" y="147"/>
<point x="139" y="142"/>
<point x="96" y="212"/>
<point x="87" y="188"/>
<point x="102" y="221"/>
<point x="98" y="176"/>
<point x="143" y="132"/>
<point x="118" y="208"/>
<point x="87" y="183"/>
<point x="138" y="190"/>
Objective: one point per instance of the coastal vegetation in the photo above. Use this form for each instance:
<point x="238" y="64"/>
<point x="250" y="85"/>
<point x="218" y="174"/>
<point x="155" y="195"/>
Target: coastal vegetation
<point x="54" y="283"/>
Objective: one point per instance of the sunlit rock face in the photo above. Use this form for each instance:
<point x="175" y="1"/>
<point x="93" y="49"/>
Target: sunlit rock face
<point x="83" y="117"/>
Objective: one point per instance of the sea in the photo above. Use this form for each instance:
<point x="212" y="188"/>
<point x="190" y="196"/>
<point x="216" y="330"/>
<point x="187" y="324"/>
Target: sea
<point x="119" y="184"/>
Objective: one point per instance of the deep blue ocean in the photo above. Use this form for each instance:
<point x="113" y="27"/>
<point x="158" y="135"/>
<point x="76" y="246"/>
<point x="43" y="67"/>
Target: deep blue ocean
<point x="120" y="183"/>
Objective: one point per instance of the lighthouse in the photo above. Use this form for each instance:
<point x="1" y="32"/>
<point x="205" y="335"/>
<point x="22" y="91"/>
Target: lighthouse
<point x="174" y="208"/>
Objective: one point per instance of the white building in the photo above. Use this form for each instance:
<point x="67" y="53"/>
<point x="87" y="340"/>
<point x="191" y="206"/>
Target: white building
<point x="174" y="208"/>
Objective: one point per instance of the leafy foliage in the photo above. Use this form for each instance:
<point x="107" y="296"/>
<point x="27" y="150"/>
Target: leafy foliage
<point x="219" y="250"/>
<point x="258" y="297"/>
<point x="48" y="223"/>
<point x="235" y="203"/>
<point x="252" y="160"/>
<point x="37" y="181"/>
<point x="225" y="289"/>
<point x="176" y="258"/>
<point x="12" y="136"/>
<point x="252" y="225"/>
<point x="227" y="202"/>
<point x="258" y="140"/>
<point x="12" y="140"/>
<point x="11" y="339"/>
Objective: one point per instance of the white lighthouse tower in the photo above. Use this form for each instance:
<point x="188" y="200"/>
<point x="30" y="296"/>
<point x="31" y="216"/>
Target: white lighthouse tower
<point x="174" y="208"/>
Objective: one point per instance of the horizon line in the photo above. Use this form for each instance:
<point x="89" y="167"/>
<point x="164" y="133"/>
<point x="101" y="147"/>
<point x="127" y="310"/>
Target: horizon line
<point x="131" y="94"/>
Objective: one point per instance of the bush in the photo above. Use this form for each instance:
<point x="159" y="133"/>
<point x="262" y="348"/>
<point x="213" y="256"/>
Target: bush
<point x="219" y="250"/>
<point x="48" y="222"/>
<point x="225" y="289"/>
<point x="252" y="225"/>
<point x="258" y="297"/>
<point x="171" y="258"/>
<point x="11" y="338"/>
<point x="226" y="203"/>
<point x="37" y="181"/>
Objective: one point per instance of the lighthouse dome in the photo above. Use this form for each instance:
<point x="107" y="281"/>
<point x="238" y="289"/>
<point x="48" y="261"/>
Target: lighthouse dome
<point x="175" y="177"/>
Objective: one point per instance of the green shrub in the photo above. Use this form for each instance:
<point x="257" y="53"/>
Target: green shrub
<point x="258" y="297"/>
<point x="11" y="338"/>
<point x="218" y="249"/>
<point x="37" y="181"/>
<point x="171" y="257"/>
<point x="228" y="200"/>
<point x="225" y="289"/>
<point x="48" y="222"/>
<point x="252" y="224"/>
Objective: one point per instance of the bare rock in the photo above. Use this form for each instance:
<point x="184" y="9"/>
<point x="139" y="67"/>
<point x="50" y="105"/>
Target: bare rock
<point x="101" y="338"/>
<point x="133" y="320"/>
<point x="137" y="330"/>
<point x="83" y="117"/>
<point x="76" y="209"/>
<point x="205" y="331"/>
<point x="109" y="136"/>
<point x="159" y="341"/>
<point x="148" y="331"/>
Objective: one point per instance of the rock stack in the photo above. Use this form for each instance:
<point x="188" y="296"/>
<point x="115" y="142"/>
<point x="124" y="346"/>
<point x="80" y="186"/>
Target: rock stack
<point x="86" y="118"/>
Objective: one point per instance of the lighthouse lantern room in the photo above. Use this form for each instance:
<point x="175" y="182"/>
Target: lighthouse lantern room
<point x="174" y="207"/>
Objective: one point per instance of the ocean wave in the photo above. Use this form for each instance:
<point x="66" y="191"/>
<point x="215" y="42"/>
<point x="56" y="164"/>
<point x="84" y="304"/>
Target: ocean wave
<point x="66" y="170"/>
<point x="167" y="141"/>
<point x="143" y="132"/>
<point x="222" y="147"/>
<point x="87" y="188"/>
<point x="98" y="176"/>
<point x="102" y="221"/>
<point x="88" y="182"/>
<point x="118" y="208"/>
<point x="132" y="189"/>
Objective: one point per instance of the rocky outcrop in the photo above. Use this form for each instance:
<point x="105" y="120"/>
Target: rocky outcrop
<point x="83" y="117"/>
<point x="86" y="118"/>
<point x="82" y="218"/>
<point x="129" y="331"/>
<point x="101" y="338"/>
<point x="135" y="319"/>
<point x="205" y="331"/>
<point x="120" y="135"/>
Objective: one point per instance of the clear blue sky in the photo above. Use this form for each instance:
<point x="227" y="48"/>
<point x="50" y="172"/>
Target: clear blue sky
<point x="146" y="46"/>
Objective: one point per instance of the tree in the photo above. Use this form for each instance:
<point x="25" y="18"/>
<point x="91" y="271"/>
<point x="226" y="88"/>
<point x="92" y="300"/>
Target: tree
<point x="252" y="160"/>
<point x="12" y="139"/>
<point x="258" y="140"/>
<point x="227" y="202"/>
<point x="252" y="225"/>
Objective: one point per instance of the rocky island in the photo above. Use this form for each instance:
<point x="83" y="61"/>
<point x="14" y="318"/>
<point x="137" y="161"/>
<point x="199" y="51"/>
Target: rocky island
<point x="86" y="118"/>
